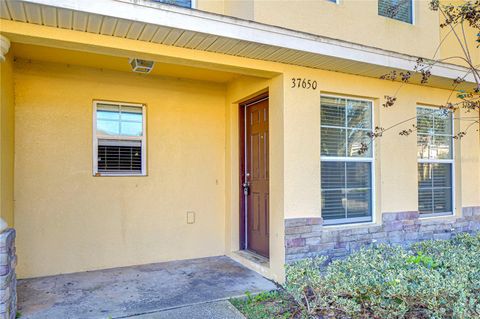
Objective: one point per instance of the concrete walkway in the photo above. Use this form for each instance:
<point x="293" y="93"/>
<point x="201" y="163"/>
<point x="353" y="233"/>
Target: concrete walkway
<point x="212" y="310"/>
<point x="139" y="290"/>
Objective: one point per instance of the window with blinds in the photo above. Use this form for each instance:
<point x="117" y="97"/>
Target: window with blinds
<point x="346" y="169"/>
<point x="401" y="10"/>
<point x="119" y="141"/>
<point x="435" y="161"/>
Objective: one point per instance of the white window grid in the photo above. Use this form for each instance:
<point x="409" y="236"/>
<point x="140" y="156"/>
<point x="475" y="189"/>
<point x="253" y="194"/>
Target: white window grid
<point x="142" y="139"/>
<point x="429" y="160"/>
<point x="368" y="159"/>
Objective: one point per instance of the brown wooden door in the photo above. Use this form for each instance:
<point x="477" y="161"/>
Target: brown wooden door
<point x="257" y="176"/>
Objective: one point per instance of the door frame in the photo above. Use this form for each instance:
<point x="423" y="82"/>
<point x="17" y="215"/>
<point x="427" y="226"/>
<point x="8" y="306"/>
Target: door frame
<point x="241" y="154"/>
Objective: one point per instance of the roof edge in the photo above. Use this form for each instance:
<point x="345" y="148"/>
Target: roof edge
<point x="239" y="29"/>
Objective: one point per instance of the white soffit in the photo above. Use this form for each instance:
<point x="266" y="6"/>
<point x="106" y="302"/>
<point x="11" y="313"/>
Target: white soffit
<point x="182" y="27"/>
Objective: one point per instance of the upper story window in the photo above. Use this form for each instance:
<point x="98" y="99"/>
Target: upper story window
<point x="119" y="144"/>
<point x="346" y="171"/>
<point x="401" y="10"/>
<point x="181" y="3"/>
<point x="435" y="161"/>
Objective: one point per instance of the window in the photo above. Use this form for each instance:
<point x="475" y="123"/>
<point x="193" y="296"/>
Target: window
<point x="435" y="161"/>
<point x="181" y="3"/>
<point x="346" y="171"/>
<point x="119" y="144"/>
<point x="401" y="10"/>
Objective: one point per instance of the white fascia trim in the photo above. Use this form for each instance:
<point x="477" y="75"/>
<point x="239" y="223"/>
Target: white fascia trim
<point x="234" y="28"/>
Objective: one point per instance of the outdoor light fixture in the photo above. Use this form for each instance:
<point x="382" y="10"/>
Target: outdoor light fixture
<point x="141" y="66"/>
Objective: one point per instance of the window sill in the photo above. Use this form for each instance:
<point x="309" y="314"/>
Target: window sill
<point x="118" y="175"/>
<point x="437" y="216"/>
<point x="352" y="225"/>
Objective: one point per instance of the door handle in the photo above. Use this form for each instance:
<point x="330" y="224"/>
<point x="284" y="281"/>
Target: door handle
<point x="246" y="188"/>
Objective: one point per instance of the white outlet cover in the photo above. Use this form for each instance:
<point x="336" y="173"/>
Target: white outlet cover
<point x="190" y="217"/>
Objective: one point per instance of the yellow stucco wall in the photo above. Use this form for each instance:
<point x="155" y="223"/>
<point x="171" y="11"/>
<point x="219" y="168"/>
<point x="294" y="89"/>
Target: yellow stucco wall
<point x="67" y="220"/>
<point x="243" y="9"/>
<point x="6" y="142"/>
<point x="350" y="20"/>
<point x="240" y="90"/>
<point x="70" y="225"/>
<point x="298" y="152"/>
<point x="468" y="161"/>
<point x="137" y="208"/>
<point x="353" y="20"/>
<point x="214" y="6"/>
<point x="395" y="156"/>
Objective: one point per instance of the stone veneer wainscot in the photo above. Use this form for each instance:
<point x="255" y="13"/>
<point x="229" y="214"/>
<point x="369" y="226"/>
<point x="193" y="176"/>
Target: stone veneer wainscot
<point x="307" y="237"/>
<point x="8" y="279"/>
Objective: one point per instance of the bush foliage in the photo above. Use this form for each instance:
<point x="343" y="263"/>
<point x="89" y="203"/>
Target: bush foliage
<point x="432" y="279"/>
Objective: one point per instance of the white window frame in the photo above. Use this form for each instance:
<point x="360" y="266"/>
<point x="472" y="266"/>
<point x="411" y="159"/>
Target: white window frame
<point x="371" y="160"/>
<point x="142" y="139"/>
<point x="450" y="161"/>
<point x="413" y="13"/>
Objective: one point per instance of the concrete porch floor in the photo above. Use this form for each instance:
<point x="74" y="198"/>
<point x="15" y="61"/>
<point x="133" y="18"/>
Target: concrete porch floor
<point x="129" y="291"/>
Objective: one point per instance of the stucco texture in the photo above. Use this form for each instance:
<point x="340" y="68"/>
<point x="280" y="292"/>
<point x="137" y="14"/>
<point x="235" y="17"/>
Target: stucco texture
<point x="352" y="21"/>
<point x="395" y="155"/>
<point x="68" y="220"/>
<point x="7" y="125"/>
<point x="240" y="90"/>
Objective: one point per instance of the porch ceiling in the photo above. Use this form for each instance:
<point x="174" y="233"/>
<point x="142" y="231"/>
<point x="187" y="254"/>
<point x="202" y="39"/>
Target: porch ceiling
<point x="180" y="27"/>
<point x="99" y="61"/>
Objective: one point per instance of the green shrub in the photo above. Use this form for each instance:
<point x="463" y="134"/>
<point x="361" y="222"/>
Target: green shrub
<point x="433" y="279"/>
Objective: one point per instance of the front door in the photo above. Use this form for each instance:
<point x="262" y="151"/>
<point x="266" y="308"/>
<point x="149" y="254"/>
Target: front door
<point x="256" y="177"/>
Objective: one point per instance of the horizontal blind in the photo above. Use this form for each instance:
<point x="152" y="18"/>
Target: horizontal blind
<point x="434" y="188"/>
<point x="346" y="170"/>
<point x="333" y="190"/>
<point x="435" y="156"/>
<point x="346" y="190"/>
<point x="119" y="156"/>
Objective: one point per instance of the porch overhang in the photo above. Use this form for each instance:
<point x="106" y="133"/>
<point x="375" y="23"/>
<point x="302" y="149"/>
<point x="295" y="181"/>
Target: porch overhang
<point x="169" y="25"/>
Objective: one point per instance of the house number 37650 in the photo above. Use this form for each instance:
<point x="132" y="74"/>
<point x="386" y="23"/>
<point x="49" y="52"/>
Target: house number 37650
<point x="300" y="83"/>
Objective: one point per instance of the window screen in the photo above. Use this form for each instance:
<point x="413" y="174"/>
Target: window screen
<point x="435" y="161"/>
<point x="401" y="10"/>
<point x="119" y="139"/>
<point x="346" y="170"/>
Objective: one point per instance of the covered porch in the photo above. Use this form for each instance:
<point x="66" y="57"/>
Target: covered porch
<point x="63" y="59"/>
<point x="184" y="203"/>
